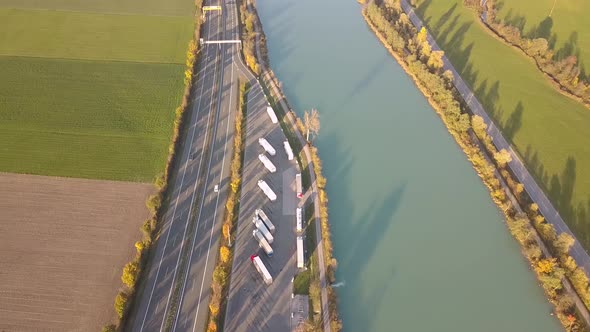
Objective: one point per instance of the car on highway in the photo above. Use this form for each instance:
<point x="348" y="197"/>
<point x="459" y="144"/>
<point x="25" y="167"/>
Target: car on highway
<point x="216" y="188"/>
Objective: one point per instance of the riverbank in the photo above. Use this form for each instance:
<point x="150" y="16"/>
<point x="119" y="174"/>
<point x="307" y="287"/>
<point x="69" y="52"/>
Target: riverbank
<point x="424" y="66"/>
<point x="255" y="53"/>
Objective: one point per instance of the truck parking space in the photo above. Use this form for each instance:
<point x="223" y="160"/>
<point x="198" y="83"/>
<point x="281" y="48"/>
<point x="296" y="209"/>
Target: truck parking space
<point x="265" y="261"/>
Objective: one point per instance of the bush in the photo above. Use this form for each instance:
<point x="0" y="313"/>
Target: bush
<point x="153" y="203"/>
<point x="212" y="327"/>
<point x="109" y="328"/>
<point x="129" y="276"/>
<point x="121" y="303"/>
<point x="224" y="254"/>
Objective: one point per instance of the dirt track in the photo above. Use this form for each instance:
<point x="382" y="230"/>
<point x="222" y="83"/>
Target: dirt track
<point x="63" y="243"/>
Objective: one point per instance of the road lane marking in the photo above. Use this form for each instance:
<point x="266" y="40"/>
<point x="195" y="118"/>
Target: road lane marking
<point x="217" y="201"/>
<point x="192" y="203"/>
<point x="204" y="189"/>
<point x="207" y="65"/>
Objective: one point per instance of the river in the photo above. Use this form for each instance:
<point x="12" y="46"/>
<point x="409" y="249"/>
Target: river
<point x="420" y="244"/>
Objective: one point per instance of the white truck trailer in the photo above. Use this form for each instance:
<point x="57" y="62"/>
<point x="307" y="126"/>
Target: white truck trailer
<point x="262" y="242"/>
<point x="288" y="150"/>
<point x="267" y="163"/>
<point x="269" y="193"/>
<point x="266" y="145"/>
<point x="261" y="269"/>
<point x="260" y="213"/>
<point x="300" y="256"/>
<point x="299" y="220"/>
<point x="271" y="114"/>
<point x="299" y="185"/>
<point x="262" y="229"/>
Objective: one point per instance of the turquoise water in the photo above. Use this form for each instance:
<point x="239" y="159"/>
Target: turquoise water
<point x="420" y="245"/>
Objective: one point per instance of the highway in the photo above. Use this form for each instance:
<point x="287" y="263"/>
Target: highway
<point x="175" y="291"/>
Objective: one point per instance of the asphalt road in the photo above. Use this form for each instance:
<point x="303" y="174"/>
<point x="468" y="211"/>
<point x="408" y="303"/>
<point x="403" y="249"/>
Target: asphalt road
<point x="191" y="223"/>
<point x="516" y="165"/>
<point x="196" y="290"/>
<point x="252" y="305"/>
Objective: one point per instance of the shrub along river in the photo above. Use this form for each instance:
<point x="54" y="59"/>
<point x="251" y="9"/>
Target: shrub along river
<point x="420" y="244"/>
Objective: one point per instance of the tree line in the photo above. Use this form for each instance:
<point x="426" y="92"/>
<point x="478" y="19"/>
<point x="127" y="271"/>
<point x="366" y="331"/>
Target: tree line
<point x="412" y="50"/>
<point x="566" y="71"/>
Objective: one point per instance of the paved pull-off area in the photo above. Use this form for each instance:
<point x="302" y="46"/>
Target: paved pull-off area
<point x="516" y="165"/>
<point x="253" y="305"/>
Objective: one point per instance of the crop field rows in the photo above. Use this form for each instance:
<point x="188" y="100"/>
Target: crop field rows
<point x="63" y="243"/>
<point x="140" y="7"/>
<point x="90" y="92"/>
<point x="102" y="120"/>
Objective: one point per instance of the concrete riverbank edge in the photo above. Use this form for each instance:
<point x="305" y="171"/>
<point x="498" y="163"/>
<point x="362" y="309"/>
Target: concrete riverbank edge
<point x="309" y="161"/>
<point x="508" y="205"/>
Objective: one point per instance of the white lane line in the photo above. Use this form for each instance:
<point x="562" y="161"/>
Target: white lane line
<point x="178" y="196"/>
<point x="217" y="201"/>
<point x="192" y="202"/>
<point x="204" y="193"/>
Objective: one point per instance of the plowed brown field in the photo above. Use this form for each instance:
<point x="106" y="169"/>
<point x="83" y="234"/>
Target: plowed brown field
<point x="63" y="244"/>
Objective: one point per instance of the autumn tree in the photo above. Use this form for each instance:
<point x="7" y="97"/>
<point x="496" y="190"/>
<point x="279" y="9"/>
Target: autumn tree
<point x="120" y="303"/>
<point x="435" y="60"/>
<point x="219" y="275"/>
<point x="129" y="276"/>
<point x="546" y="266"/>
<point x="224" y="254"/>
<point x="502" y="157"/>
<point x="311" y="121"/>
<point x="421" y="37"/>
<point x="109" y="328"/>
<point x="564" y="243"/>
<point x="212" y="327"/>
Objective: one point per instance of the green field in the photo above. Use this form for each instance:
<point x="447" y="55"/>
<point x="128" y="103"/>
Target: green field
<point x="568" y="28"/>
<point x="76" y="35"/>
<point x="89" y="88"/>
<point x="549" y="130"/>
<point x="142" y="7"/>
<point x="102" y="120"/>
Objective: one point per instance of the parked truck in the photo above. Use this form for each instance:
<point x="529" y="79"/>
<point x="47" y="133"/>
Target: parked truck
<point x="269" y="193"/>
<point x="288" y="150"/>
<point x="266" y="145"/>
<point x="261" y="269"/>
<point x="271" y="114"/>
<point x="299" y="185"/>
<point x="299" y="220"/>
<point x="300" y="256"/>
<point x="262" y="243"/>
<point x="262" y="229"/>
<point x="262" y="215"/>
<point x="267" y="163"/>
